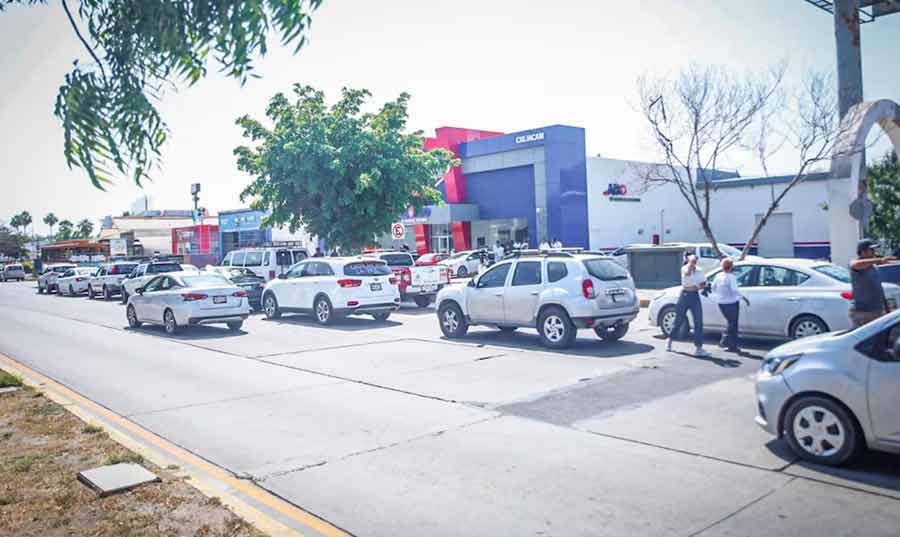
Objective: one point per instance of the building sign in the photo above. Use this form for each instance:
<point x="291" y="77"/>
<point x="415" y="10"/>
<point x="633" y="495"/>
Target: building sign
<point x="533" y="137"/>
<point x="398" y="231"/>
<point x="118" y="247"/>
<point x="617" y="192"/>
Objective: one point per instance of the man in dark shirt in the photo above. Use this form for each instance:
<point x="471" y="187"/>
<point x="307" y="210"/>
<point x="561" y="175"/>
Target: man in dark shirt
<point x="868" y="294"/>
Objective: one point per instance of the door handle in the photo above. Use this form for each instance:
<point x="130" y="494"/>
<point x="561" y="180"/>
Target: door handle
<point x="498" y="295"/>
<point x="535" y="293"/>
<point x="792" y="299"/>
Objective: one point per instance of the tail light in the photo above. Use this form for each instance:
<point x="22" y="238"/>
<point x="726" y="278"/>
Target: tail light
<point x="445" y="274"/>
<point x="113" y="270"/>
<point x="353" y="303"/>
<point x="393" y="280"/>
<point x="80" y="279"/>
<point x="587" y="289"/>
<point x="271" y="274"/>
<point x="239" y="294"/>
<point x="189" y="297"/>
<point x="346" y="282"/>
<point x="847" y="295"/>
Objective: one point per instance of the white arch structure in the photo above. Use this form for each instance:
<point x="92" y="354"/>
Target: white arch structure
<point x="848" y="170"/>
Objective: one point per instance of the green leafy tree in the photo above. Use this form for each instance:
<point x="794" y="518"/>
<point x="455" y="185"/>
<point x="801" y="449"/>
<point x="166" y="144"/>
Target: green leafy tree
<point x="12" y="244"/>
<point x="883" y="182"/>
<point x="342" y="174"/>
<point x="51" y="221"/>
<point x="85" y="229"/>
<point x="16" y="222"/>
<point x="66" y="230"/>
<point x="141" y="47"/>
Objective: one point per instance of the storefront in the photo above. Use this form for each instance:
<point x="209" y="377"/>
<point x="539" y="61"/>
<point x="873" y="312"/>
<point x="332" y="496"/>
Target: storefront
<point x="243" y="228"/>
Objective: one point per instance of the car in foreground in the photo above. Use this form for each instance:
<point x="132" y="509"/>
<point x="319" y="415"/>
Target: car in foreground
<point x="188" y="298"/>
<point x="464" y="264"/>
<point x="47" y="280"/>
<point x="74" y="281"/>
<point x="834" y="394"/>
<point x="554" y="292"/>
<point x="107" y="281"/>
<point x="244" y="278"/>
<point x="330" y="288"/>
<point x="13" y="271"/>
<point x="143" y="273"/>
<point x="419" y="283"/>
<point x="789" y="299"/>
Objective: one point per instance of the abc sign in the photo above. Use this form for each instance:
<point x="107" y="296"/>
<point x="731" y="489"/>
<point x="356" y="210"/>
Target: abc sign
<point x="398" y="231"/>
<point x="615" y="189"/>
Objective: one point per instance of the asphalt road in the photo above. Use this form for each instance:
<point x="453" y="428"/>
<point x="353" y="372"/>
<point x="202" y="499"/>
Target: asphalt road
<point x="386" y="429"/>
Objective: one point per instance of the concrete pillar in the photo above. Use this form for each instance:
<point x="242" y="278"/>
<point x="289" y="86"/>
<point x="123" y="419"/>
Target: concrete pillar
<point x="849" y="57"/>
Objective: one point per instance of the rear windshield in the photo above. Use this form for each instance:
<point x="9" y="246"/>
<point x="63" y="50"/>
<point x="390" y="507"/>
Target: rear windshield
<point x="397" y="260"/>
<point x="123" y="268"/>
<point x="366" y="268"/>
<point x="254" y="259"/>
<point x="60" y="270"/>
<point x="205" y="280"/>
<point x="160" y="268"/>
<point x="14" y="267"/>
<point x="834" y="272"/>
<point x="605" y="269"/>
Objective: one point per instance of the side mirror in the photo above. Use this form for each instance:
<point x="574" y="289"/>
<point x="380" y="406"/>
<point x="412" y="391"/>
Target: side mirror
<point x="282" y="276"/>
<point x="139" y="290"/>
<point x="471" y="283"/>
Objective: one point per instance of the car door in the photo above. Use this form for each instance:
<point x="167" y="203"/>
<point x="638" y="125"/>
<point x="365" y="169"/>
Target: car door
<point x="777" y="299"/>
<point x="143" y="302"/>
<point x="484" y="301"/>
<point x="521" y="295"/>
<point x="291" y="292"/>
<point x="883" y="380"/>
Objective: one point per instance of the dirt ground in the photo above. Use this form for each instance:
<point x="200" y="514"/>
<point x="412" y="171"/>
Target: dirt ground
<point x="43" y="447"/>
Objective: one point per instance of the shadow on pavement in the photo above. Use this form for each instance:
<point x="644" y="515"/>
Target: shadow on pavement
<point x="189" y="333"/>
<point x="872" y="468"/>
<point x="348" y="324"/>
<point x="586" y="347"/>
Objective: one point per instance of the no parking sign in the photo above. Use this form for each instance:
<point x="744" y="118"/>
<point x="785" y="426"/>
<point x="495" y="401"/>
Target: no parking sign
<point x="398" y="231"/>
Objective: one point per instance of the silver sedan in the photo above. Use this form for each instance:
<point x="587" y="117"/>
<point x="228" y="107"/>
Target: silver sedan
<point x="789" y="298"/>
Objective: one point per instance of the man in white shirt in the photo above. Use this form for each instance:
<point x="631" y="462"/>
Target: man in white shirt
<point x="728" y="296"/>
<point x="545" y="245"/>
<point x="498" y="252"/>
<point x="556" y="244"/>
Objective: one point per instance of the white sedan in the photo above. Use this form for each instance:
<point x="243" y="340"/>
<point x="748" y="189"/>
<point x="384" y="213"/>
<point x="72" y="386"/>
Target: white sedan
<point x="74" y="281"/>
<point x="789" y="298"/>
<point x="188" y="298"/>
<point x="463" y="264"/>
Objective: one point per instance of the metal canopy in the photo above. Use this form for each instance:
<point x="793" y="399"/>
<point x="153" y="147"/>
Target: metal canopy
<point x="869" y="10"/>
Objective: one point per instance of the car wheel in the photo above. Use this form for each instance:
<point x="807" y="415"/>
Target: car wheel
<point x="807" y="325"/>
<point x="131" y="313"/>
<point x="453" y="322"/>
<point x="555" y="328"/>
<point x="124" y="296"/>
<point x="821" y="431"/>
<point x="71" y="290"/>
<point x="40" y="290"/>
<point x="323" y="311"/>
<point x="667" y="323"/>
<point x="382" y="316"/>
<point x="90" y="293"/>
<point x="235" y="326"/>
<point x="106" y="294"/>
<point x="507" y="329"/>
<point x="422" y="301"/>
<point x="270" y="307"/>
<point x="462" y="272"/>
<point x="169" y="322"/>
<point x="611" y="333"/>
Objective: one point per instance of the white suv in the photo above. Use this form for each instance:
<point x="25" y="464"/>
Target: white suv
<point x="108" y="279"/>
<point x="556" y="293"/>
<point x="333" y="287"/>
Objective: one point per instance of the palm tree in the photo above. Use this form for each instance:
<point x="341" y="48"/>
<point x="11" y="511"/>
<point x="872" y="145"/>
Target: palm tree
<point x="16" y="222"/>
<point x="65" y="230"/>
<point x="26" y="220"/>
<point x="85" y="229"/>
<point x="51" y="221"/>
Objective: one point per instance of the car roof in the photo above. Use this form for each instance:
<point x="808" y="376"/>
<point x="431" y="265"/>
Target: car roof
<point x="786" y="262"/>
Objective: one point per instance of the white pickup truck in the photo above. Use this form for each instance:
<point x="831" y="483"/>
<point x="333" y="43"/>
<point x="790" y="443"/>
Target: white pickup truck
<point x="143" y="273"/>
<point x="420" y="283"/>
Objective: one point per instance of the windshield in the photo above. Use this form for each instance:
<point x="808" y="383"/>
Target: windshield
<point x="14" y="267"/>
<point x="160" y="268"/>
<point x="730" y="251"/>
<point x="458" y="255"/>
<point x="253" y="259"/>
<point x="397" y="260"/>
<point x="606" y="270"/>
<point x="834" y="272"/>
<point x="61" y="270"/>
<point x="205" y="280"/>
<point x="366" y="268"/>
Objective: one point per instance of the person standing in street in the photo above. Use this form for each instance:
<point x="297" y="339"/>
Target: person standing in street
<point x="728" y="295"/>
<point x="556" y="244"/>
<point x="693" y="280"/>
<point x="498" y="252"/>
<point x="868" y="301"/>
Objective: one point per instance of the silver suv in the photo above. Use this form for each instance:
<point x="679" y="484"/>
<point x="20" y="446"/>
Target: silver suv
<point x="555" y="292"/>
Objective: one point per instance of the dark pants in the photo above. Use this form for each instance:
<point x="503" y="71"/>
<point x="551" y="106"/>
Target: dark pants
<point x="689" y="300"/>
<point x="731" y="312"/>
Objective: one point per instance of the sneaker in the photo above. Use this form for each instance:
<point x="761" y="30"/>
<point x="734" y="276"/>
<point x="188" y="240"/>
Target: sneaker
<point x="668" y="345"/>
<point x="702" y="353"/>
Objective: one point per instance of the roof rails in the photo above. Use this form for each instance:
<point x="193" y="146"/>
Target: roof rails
<point x="568" y="252"/>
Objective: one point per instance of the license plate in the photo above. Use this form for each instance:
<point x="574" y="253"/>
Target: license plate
<point x="375" y="287"/>
<point x="220" y="299"/>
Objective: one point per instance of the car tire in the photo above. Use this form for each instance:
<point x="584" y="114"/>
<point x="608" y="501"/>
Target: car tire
<point x="106" y="294"/>
<point x="323" y="312"/>
<point x="131" y="314"/>
<point x="611" y="333"/>
<point x="452" y="321"/>
<point x="381" y="317"/>
<point x="90" y="292"/>
<point x="71" y="290"/>
<point x="124" y="296"/>
<point x="235" y="326"/>
<point x="507" y="329"/>
<point x="555" y="328"/>
<point x="270" y="306"/>
<point x="40" y="290"/>
<point x="807" y="325"/>
<point x="169" y="323"/>
<point x="666" y="321"/>
<point x="422" y="301"/>
<point x="822" y="431"/>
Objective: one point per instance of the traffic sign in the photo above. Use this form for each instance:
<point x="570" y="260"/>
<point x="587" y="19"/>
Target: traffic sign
<point x="398" y="231"/>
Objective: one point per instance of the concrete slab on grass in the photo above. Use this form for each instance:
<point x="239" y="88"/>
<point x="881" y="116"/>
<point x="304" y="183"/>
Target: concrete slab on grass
<point x="106" y="480"/>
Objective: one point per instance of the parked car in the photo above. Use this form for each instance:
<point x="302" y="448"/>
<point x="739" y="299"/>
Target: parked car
<point x="333" y="287"/>
<point x="246" y="279"/>
<point x="265" y="262"/>
<point x="107" y="281"/>
<point x="431" y="259"/>
<point x="143" y="273"/>
<point x="188" y="298"/>
<point x="789" y="298"/>
<point x="556" y="293"/>
<point x="706" y="256"/>
<point x="47" y="279"/>
<point x="833" y="395"/>
<point x="419" y="283"/>
<point x="74" y="281"/>
<point x="12" y="271"/>
<point x="889" y="273"/>
<point x="464" y="264"/>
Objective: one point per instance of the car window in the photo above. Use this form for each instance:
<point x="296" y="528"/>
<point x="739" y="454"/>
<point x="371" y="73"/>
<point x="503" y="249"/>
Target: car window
<point x="124" y="268"/>
<point x="160" y="268"/>
<point x="367" y="268"/>
<point x="780" y="277"/>
<point x="227" y="261"/>
<point x="154" y="284"/>
<point x="527" y="273"/>
<point x="267" y="258"/>
<point x="397" y="260"/>
<point x="892" y="337"/>
<point x="473" y="257"/>
<point x="165" y="284"/>
<point x="101" y="271"/>
<point x="556" y="271"/>
<point x="708" y="252"/>
<point x="606" y="269"/>
<point x="834" y="272"/>
<point x="297" y="270"/>
<point x="744" y="274"/>
<point x="323" y="269"/>
<point x="237" y="258"/>
<point x="299" y="255"/>
<point x="494" y="277"/>
<point x="205" y="280"/>
<point x="253" y="259"/>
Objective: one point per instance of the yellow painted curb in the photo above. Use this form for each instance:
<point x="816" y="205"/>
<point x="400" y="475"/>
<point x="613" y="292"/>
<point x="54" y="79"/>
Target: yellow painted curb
<point x="210" y="479"/>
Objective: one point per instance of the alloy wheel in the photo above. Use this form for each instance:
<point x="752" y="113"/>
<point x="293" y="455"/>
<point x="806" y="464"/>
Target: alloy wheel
<point x="132" y="316"/>
<point x="819" y="431"/>
<point x="668" y="322"/>
<point x="169" y="320"/>
<point x="323" y="311"/>
<point x="807" y="328"/>
<point x="270" y="306"/>
<point x="554" y="328"/>
<point x="451" y="323"/>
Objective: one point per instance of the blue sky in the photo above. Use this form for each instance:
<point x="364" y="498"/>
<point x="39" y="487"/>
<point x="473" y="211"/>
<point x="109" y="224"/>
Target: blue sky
<point x="502" y="65"/>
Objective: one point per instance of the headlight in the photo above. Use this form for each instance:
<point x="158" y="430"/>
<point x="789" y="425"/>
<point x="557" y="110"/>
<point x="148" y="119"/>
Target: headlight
<point x="776" y="365"/>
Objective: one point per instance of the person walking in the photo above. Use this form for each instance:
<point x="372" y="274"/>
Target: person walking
<point x="868" y="301"/>
<point x="728" y="295"/>
<point x="692" y="282"/>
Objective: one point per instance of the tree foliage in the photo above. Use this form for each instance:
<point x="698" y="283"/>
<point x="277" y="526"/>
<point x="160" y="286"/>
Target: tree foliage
<point x="342" y="174"/>
<point x="85" y="229"/>
<point x="12" y="244"/>
<point x="141" y="48"/>
<point x="66" y="231"/>
<point x="50" y="219"/>
<point x="883" y="183"/>
<point x="21" y="221"/>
